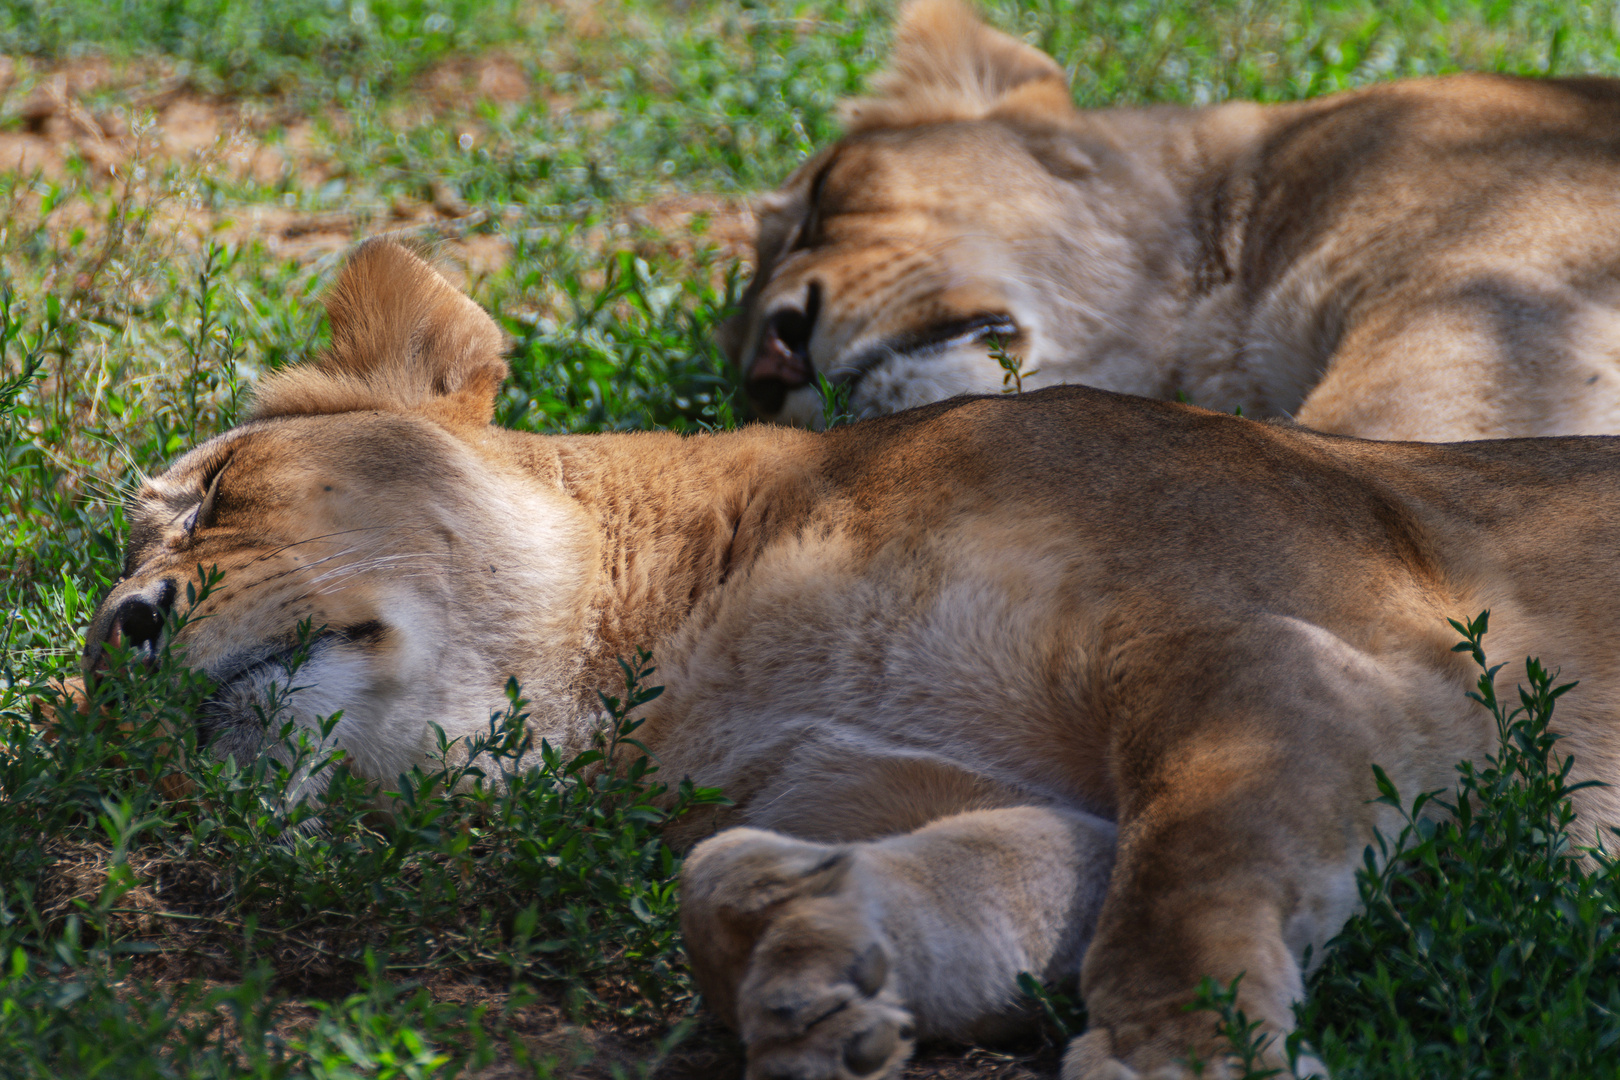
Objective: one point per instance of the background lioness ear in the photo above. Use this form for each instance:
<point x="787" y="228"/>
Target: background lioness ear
<point x="403" y="340"/>
<point x="947" y="65"/>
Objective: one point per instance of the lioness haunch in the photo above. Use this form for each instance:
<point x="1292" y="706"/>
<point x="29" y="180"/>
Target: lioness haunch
<point x="937" y="659"/>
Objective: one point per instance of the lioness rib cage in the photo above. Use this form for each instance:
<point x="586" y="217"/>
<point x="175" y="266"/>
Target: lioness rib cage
<point x="1069" y="682"/>
<point x="1428" y="259"/>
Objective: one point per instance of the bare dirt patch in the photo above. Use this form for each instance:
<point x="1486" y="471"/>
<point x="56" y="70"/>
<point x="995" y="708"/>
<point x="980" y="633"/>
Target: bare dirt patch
<point x="58" y="129"/>
<point x="492" y="77"/>
<point x="120" y="125"/>
<point x="676" y="225"/>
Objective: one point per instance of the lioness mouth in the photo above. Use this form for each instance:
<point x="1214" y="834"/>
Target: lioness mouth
<point x="969" y="331"/>
<point x="783" y="364"/>
<point x="239" y="697"/>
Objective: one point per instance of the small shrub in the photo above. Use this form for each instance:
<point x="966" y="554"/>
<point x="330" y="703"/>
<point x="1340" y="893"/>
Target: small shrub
<point x="637" y="353"/>
<point x="1487" y="945"/>
<point x="506" y="861"/>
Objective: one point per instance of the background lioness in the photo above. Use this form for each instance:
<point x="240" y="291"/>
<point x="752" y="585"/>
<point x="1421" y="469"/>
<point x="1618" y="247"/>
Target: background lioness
<point x="1433" y="259"/>
<point x="976" y="722"/>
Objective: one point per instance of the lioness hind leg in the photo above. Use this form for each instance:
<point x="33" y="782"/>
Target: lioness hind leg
<point x="832" y="960"/>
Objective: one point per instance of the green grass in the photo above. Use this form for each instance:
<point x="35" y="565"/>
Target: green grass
<point x="1488" y="943"/>
<point x="258" y="47"/>
<point x="212" y="937"/>
<point x="1488" y="946"/>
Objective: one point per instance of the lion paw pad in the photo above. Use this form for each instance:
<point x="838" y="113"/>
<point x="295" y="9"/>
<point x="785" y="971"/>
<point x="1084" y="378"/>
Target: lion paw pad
<point x="811" y="1014"/>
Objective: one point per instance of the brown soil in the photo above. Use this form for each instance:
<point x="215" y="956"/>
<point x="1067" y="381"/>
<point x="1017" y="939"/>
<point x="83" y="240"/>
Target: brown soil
<point x="492" y="77"/>
<point x="126" y="123"/>
<point x="676" y="224"/>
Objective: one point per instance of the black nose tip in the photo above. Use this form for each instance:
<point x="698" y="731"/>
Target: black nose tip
<point x="782" y="362"/>
<point x="139" y="621"/>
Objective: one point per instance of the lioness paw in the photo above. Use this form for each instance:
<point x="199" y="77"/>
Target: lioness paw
<point x="803" y="1019"/>
<point x="787" y="948"/>
<point x="1094" y="1056"/>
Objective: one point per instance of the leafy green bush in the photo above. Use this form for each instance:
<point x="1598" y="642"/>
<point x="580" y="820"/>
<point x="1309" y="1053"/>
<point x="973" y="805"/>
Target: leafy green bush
<point x="1487" y="945"/>
<point x="90" y="1022"/>
<point x="637" y="353"/>
<point x="508" y="861"/>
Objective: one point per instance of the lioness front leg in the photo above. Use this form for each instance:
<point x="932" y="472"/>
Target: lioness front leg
<point x="832" y="960"/>
<point x="1244" y="808"/>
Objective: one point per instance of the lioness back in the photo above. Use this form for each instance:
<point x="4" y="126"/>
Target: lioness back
<point x="1432" y="259"/>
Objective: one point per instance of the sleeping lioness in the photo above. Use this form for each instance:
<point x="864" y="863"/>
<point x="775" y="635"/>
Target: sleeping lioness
<point x="1431" y="259"/>
<point x="997" y="684"/>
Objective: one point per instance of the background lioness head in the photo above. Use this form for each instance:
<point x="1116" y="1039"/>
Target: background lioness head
<point x="958" y="213"/>
<point x="1425" y="259"/>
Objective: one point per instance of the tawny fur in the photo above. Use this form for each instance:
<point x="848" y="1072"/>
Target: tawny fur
<point x="948" y="66"/>
<point x="768" y="925"/>
<point x="960" y="668"/>
<point x="1428" y="259"/>
<point x="406" y="349"/>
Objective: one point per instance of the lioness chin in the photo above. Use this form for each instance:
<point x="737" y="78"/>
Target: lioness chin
<point x="1430" y="259"/>
<point x="1070" y="683"/>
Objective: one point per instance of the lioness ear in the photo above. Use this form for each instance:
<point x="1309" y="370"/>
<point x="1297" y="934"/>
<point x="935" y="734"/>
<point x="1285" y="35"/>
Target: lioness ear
<point x="403" y="340"/>
<point x="947" y="65"/>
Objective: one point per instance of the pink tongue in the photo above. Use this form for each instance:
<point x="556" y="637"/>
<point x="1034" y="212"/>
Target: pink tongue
<point x="776" y="361"/>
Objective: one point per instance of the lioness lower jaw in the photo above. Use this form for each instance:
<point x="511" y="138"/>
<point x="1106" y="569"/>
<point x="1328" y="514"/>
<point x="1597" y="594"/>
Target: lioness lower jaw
<point x="898" y="380"/>
<point x="363" y="700"/>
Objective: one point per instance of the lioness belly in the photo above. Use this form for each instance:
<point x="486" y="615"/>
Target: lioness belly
<point x="886" y="692"/>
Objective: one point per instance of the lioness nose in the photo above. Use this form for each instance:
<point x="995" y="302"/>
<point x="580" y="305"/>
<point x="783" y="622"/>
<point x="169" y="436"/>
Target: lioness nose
<point x="782" y="362"/>
<point x="137" y="624"/>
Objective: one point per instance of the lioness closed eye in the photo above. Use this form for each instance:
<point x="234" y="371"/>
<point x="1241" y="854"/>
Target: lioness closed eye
<point x="1431" y="259"/>
<point x="1071" y="683"/>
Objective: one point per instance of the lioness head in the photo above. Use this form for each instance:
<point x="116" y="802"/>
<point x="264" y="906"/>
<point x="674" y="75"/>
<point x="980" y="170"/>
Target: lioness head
<point x="352" y="502"/>
<point x="966" y="207"/>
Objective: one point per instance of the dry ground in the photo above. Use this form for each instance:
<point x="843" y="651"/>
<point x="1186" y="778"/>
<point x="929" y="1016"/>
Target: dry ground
<point x="113" y="122"/>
